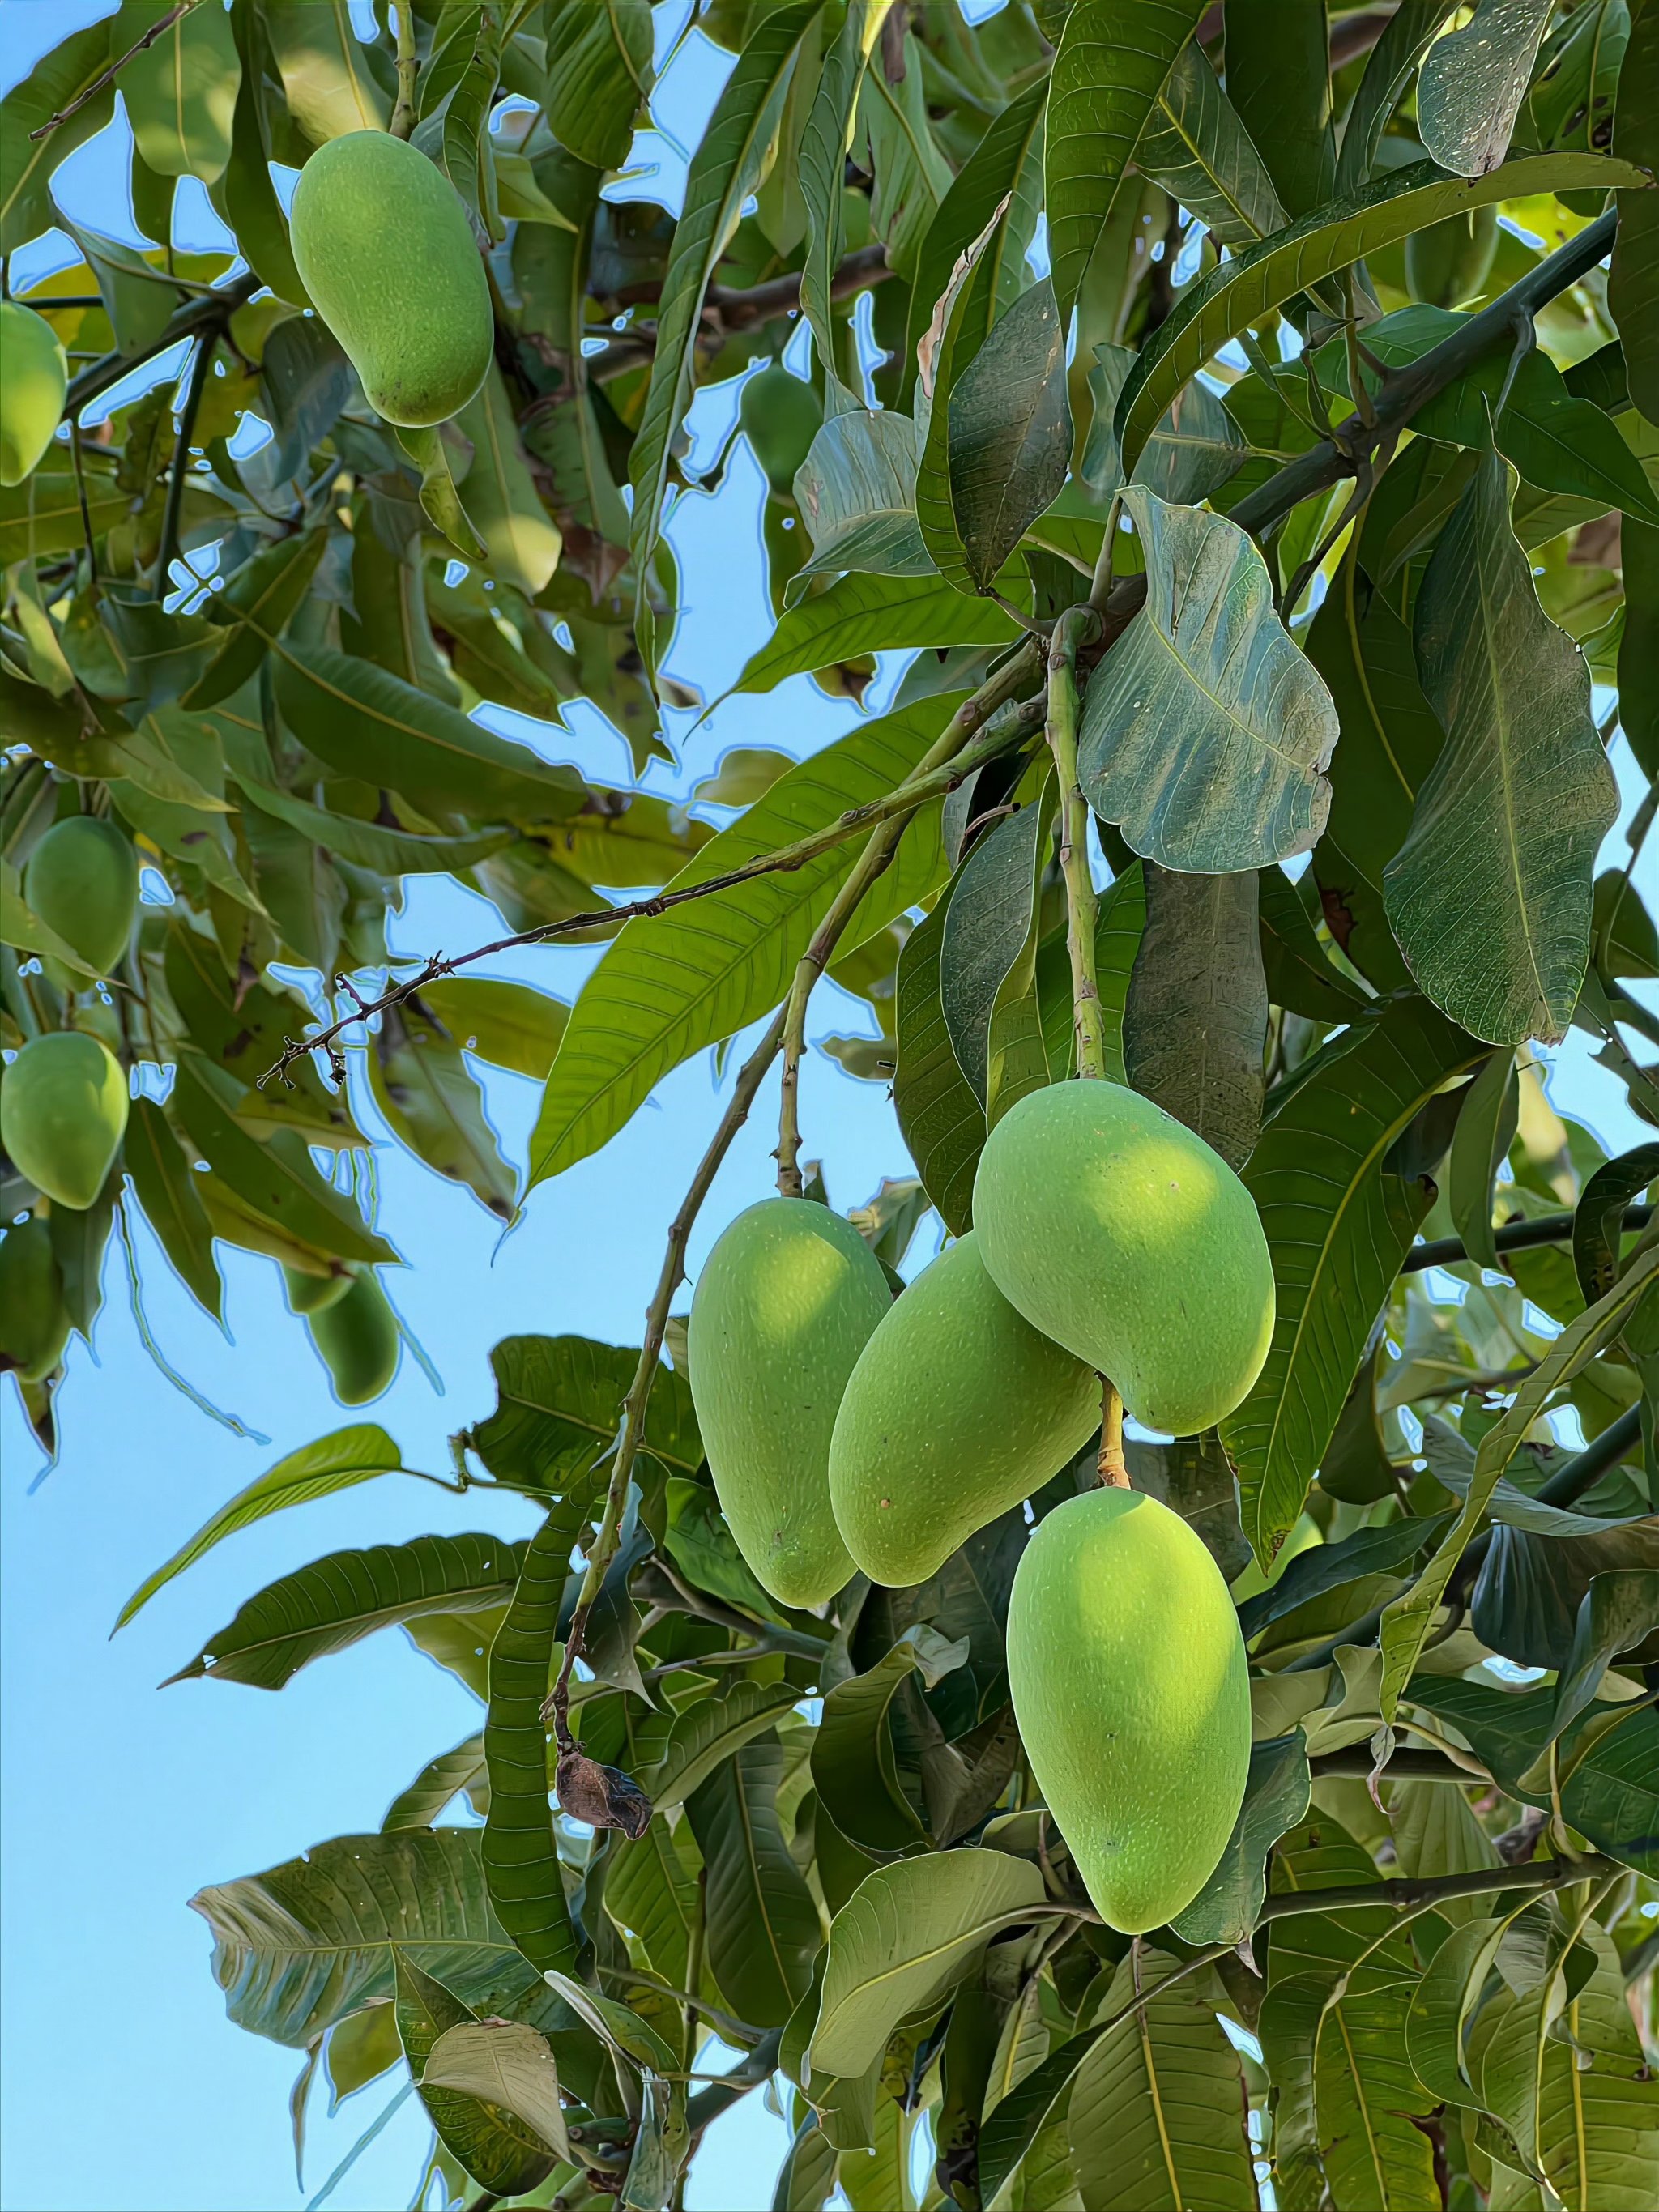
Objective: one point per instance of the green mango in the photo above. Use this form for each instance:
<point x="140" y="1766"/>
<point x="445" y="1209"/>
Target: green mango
<point x="384" y="245"/>
<point x="787" y="1300"/>
<point x="358" y="1338"/>
<point x="1132" y="1691"/>
<point x="1448" y="262"/>
<point x="310" y="1294"/>
<point x="33" y="381"/>
<point x="34" y="1322"/>
<point x="955" y="1411"/>
<point x="63" y="1115"/>
<point x="781" y="415"/>
<point x="1122" y="1235"/>
<point x="82" y="881"/>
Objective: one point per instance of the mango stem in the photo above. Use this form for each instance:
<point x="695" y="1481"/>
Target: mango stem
<point x="402" y="124"/>
<point x="1111" y="1466"/>
<point x="1088" y="1021"/>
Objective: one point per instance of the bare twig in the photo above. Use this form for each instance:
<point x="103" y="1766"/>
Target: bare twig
<point x="1111" y="1465"/>
<point x="175" y="501"/>
<point x="108" y="75"/>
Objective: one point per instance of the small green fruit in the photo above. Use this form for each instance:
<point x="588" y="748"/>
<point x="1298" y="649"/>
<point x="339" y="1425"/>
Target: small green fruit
<point x="382" y="244"/>
<point x="34" y="1322"/>
<point x="1122" y="1235"/>
<point x="34" y="379"/>
<point x="789" y="1298"/>
<point x="781" y="417"/>
<point x="1132" y="1691"/>
<point x="310" y="1294"/>
<point x="357" y="1336"/>
<point x="1448" y="262"/>
<point x="82" y="881"/>
<point x="955" y="1411"/>
<point x="63" y="1115"/>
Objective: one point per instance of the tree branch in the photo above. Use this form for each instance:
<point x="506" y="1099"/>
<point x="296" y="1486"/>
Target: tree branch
<point x="108" y="77"/>
<point x="403" y="114"/>
<point x="760" y="303"/>
<point x="1544" y="1875"/>
<point x="1513" y="1236"/>
<point x="210" y="311"/>
<point x="205" y="347"/>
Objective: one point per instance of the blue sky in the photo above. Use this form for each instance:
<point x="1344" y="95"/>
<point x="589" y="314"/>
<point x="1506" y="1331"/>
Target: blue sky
<point x="125" y="2089"/>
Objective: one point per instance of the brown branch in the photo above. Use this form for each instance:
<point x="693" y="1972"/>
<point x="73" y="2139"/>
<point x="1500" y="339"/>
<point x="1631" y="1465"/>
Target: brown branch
<point x="1546" y="1874"/>
<point x="739" y="310"/>
<point x="108" y="75"/>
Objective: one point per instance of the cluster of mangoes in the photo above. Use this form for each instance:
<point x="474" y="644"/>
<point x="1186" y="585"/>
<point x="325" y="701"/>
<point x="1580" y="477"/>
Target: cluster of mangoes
<point x="846" y="1431"/>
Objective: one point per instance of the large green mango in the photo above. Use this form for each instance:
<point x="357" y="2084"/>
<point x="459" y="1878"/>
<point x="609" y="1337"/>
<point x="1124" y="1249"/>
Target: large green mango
<point x="81" y="880"/>
<point x="63" y="1115"/>
<point x="357" y="1336"/>
<point x="34" y="378"/>
<point x="788" y="1300"/>
<point x="1122" y="1235"/>
<point x="34" y="1322"/>
<point x="383" y="245"/>
<point x="955" y="1411"/>
<point x="1132" y="1691"/>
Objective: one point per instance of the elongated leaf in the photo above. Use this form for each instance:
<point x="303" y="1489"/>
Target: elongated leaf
<point x="855" y="1762"/>
<point x="437" y="1783"/>
<point x="1197" y="148"/>
<point x="874" y="614"/>
<point x="368" y="845"/>
<point x="725" y="171"/>
<point x="1239" y="293"/>
<point x="1009" y="437"/>
<point x="599" y="74"/>
<point x="1619" y="1610"/>
<point x="1480" y="1144"/>
<point x="1205" y="732"/>
<point x="615" y="2024"/>
<point x="180" y="91"/>
<point x="672" y="984"/>
<point x="1596" y="2137"/>
<point x="435" y="1105"/>
<point x="1339" y="1225"/>
<point x="763" y="1925"/>
<point x="1388" y="69"/>
<point x="1195" y="450"/>
<point x="1366" y="2098"/>
<point x="993" y="909"/>
<point x="904" y="1937"/>
<point x="1275" y="1799"/>
<point x="856" y="490"/>
<point x="911" y="175"/>
<point x="318" y="1470"/>
<point x="560" y="1404"/>
<point x="1473" y="82"/>
<point x="1157" y="2116"/>
<point x="940" y="1115"/>
<point x="1195" y="1022"/>
<point x="649" y="1890"/>
<point x="708" y="1734"/>
<point x="496" y="2149"/>
<point x="256" y="606"/>
<point x="521" y="538"/>
<point x="1115" y="59"/>
<point x="520" y="1860"/>
<point x="329" y="86"/>
<point x="164" y="1185"/>
<point x="1598" y="1220"/>
<point x="308" y="1942"/>
<point x="1301" y="975"/>
<point x="509" y="1024"/>
<point x="336" y="1601"/>
<point x="1491" y="895"/>
<point x="59" y="80"/>
<point x="1324" y="1567"/>
<point x="1634" y="282"/>
<point x="824" y="147"/>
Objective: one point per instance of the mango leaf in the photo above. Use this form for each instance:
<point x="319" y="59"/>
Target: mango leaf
<point x="1009" y="437"/>
<point x="1301" y="975"/>
<point x="335" y="1601"/>
<point x="245" y="197"/>
<point x="436" y="1107"/>
<point x="1388" y="69"/>
<point x="1598" y="1219"/>
<point x="911" y="175"/>
<point x="1339" y="1225"/>
<point x="504" y="2063"/>
<point x="1633" y="280"/>
<point x="1205" y="732"/>
<point x="255" y="606"/>
<point x="824" y="146"/>
<point x="328" y="83"/>
<point x="437" y="1783"/>
<point x="1618" y="1610"/>
<point x="854" y="1764"/>
<point x="856" y="490"/>
<point x="1195" y="450"/>
<point x="1276" y="1795"/>
<point x="1237" y="296"/>
<point x="519" y="1857"/>
<point x="1323" y="1567"/>
<point x="520" y="538"/>
<point x="369" y="725"/>
<point x="1507" y="824"/>
<point x="907" y="1934"/>
<point x="180" y="90"/>
<point x="861" y="614"/>
<point x="368" y="845"/>
<point x="709" y="1732"/>
<point x="559" y="1401"/>
<point x="761" y="1923"/>
<point x="59" y="80"/>
<point x="1115" y="59"/>
<point x="511" y="1025"/>
<point x="615" y="2025"/>
<point x="939" y="1115"/>
<point x="165" y="1184"/>
<point x="1197" y="148"/>
<point x="993" y="910"/>
<point x="649" y="1890"/>
<point x="671" y="984"/>
<point x="1366" y="2098"/>
<point x="1472" y="83"/>
<point x="1195" y="1022"/>
<point x="1481" y="1144"/>
<point x="499" y="2151"/>
<point x="317" y="1470"/>
<point x="1158" y="2112"/>
<point x="598" y="75"/>
<point x="725" y="169"/>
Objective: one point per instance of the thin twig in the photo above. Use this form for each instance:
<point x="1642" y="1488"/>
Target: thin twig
<point x="1111" y="1465"/>
<point x="1544" y="1873"/>
<point x="1513" y="1236"/>
<point x="108" y="75"/>
<point x="175" y="502"/>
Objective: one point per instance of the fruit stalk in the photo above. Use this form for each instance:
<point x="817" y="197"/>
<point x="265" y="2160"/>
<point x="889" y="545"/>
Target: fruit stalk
<point x="1070" y="631"/>
<point x="402" y="124"/>
<point x="1111" y="1466"/>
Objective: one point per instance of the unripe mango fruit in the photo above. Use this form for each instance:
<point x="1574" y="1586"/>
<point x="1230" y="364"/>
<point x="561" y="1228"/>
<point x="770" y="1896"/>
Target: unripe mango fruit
<point x="34" y="379"/>
<point x="358" y="1338"/>
<point x="955" y="1411"/>
<point x="782" y="416"/>
<point x="81" y="880"/>
<point x="1122" y="1235"/>
<point x="310" y="1294"/>
<point x="382" y="244"/>
<point x="787" y="1301"/>
<point x="34" y="1322"/>
<point x="63" y="1115"/>
<point x="1132" y="1691"/>
<point x="1448" y="262"/>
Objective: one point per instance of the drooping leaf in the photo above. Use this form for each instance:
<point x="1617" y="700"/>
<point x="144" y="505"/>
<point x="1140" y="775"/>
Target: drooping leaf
<point x="1195" y="1022"/>
<point x="437" y="1783"/>
<point x="435" y="1106"/>
<point x="1009" y="437"/>
<point x="511" y="1025"/>
<point x="993" y="907"/>
<point x="62" y="78"/>
<point x="854" y="1758"/>
<point x="1197" y="148"/>
<point x="1279" y="78"/>
<point x="1388" y="69"/>
<point x="496" y="2147"/>
<point x="164" y="1185"/>
<point x="862" y="614"/>
<point x="1634" y="282"/>
<point x="180" y="90"/>
<point x="824" y="146"/>
<point x="1228" y="1907"/>
<point x="763" y="1925"/>
<point x="598" y="73"/>
<point x="560" y="1402"/>
<point x="329" y="86"/>
<point x="1473" y="82"/>
<point x="940" y="1115"/>
<point x="1598" y="1219"/>
<point x="504" y="2063"/>
<point x="1195" y="450"/>
<point x="711" y="1731"/>
<point x="520" y="539"/>
<point x="1480" y="1144"/>
<point x="857" y="493"/>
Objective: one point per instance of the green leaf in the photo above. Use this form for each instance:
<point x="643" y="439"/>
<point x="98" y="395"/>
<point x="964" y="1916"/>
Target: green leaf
<point x="854" y="1764"/>
<point x="336" y="1600"/>
<point x="1473" y="82"/>
<point x="312" y="1941"/>
<point x="763" y="1925"/>
<point x="725" y="169"/>
<point x="42" y="515"/>
<point x="509" y="1024"/>
<point x="59" y="79"/>
<point x="1239" y="294"/>
<point x="164" y="1185"/>
<point x="598" y="75"/>
<point x="559" y="1401"/>
<point x="521" y="538"/>
<point x="1197" y="148"/>
<point x="440" y="500"/>
<point x="825" y="144"/>
<point x="911" y="176"/>
<point x="180" y="90"/>
<point x="1633" y="282"/>
<point x="1205" y="732"/>
<point x="673" y="983"/>
<point x="1371" y="1551"/>
<point x="1195" y="450"/>
<point x="940" y="1117"/>
<point x="1195" y="1022"/>
<point x="708" y="1732"/>
<point x="369" y="725"/>
<point x="1366" y="2098"/>
<point x="615" y="2024"/>
<point x="993" y="909"/>
<point x="368" y="845"/>
<point x="907" y="1934"/>
<point x="328" y="86"/>
<point x="649" y="1890"/>
<point x="437" y="1783"/>
<point x="257" y="605"/>
<point x="336" y="1462"/>
<point x="870" y="614"/>
<point x="1228" y="1905"/>
<point x="1115" y="57"/>
<point x="1301" y="975"/>
<point x="1339" y="1225"/>
<point x="497" y="2149"/>
<point x="245" y="197"/>
<point x="1158" y="2112"/>
<point x="856" y="490"/>
<point x="520" y="1858"/>
<point x="24" y="929"/>
<point x="1481" y="1144"/>
<point x="1618" y="1610"/>
<point x="1597" y="1221"/>
<point x="436" y="1107"/>
<point x="1009" y="437"/>
<point x="1490" y="897"/>
<point x="1388" y="70"/>
<point x="503" y="2063"/>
